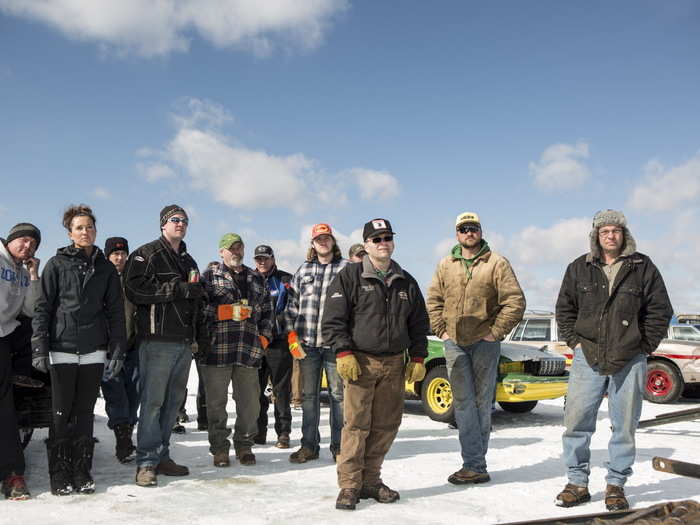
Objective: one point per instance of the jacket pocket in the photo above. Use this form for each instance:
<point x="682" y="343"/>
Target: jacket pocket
<point x="586" y="296"/>
<point x="307" y="285"/>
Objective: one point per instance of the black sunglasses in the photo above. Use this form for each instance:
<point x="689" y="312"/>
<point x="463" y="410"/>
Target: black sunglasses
<point x="386" y="238"/>
<point x="468" y="229"/>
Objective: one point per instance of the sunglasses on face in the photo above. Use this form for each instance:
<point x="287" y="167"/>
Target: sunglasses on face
<point x="386" y="238"/>
<point x="468" y="229"/>
<point x="178" y="220"/>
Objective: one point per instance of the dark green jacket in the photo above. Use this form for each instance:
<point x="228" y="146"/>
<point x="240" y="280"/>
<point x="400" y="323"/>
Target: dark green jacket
<point x="614" y="327"/>
<point x="81" y="308"/>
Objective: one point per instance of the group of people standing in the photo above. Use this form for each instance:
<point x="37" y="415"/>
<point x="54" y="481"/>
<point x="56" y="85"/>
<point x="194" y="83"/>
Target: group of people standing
<point x="133" y="322"/>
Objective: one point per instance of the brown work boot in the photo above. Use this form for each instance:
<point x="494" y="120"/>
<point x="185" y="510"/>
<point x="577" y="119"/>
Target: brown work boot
<point x="170" y="468"/>
<point x="347" y="499"/>
<point x="573" y="495"/>
<point x="381" y="493"/>
<point x="245" y="456"/>
<point x="146" y="476"/>
<point x="14" y="488"/>
<point x="221" y="459"/>
<point x="465" y="477"/>
<point x="615" y="498"/>
<point x="303" y="455"/>
<point x="282" y="441"/>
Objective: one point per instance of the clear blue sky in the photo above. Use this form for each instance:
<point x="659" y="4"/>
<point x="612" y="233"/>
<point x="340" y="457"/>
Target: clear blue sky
<point x="533" y="114"/>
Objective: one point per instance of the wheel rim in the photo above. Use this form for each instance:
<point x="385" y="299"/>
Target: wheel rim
<point x="439" y="395"/>
<point x="659" y="383"/>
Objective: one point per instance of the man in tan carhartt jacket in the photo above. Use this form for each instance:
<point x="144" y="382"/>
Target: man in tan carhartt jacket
<point x="473" y="302"/>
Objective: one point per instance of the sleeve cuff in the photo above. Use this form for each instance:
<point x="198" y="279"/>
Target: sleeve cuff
<point x="417" y="360"/>
<point x="343" y="353"/>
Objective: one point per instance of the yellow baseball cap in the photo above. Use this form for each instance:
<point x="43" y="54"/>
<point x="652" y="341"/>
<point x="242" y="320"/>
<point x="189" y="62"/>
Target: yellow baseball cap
<point x="467" y="216"/>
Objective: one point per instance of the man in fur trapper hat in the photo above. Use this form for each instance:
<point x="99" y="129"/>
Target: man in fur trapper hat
<point x="612" y="310"/>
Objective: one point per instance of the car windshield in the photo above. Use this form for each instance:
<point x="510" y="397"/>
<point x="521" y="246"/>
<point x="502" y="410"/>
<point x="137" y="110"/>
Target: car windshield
<point x="685" y="333"/>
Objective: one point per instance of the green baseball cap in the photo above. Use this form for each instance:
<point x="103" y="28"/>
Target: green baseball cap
<point x="229" y="239"/>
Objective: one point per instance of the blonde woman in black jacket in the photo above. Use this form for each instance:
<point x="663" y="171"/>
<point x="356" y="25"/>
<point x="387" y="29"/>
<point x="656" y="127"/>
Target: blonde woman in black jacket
<point x="78" y="323"/>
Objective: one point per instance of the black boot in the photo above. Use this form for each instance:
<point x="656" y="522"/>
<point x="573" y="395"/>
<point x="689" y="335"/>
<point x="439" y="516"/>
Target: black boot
<point x="60" y="466"/>
<point x="83" y="448"/>
<point x="124" y="449"/>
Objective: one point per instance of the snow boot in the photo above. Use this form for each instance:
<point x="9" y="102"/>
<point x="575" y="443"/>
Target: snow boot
<point x="14" y="488"/>
<point x="615" y="498"/>
<point x="124" y="448"/>
<point x="83" y="449"/>
<point x="60" y="466"/>
<point x="347" y="499"/>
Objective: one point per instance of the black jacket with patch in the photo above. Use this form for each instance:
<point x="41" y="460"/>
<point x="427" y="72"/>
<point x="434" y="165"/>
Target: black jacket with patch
<point x="613" y="327"/>
<point x="364" y="314"/>
<point x="81" y="307"/>
<point x="155" y="280"/>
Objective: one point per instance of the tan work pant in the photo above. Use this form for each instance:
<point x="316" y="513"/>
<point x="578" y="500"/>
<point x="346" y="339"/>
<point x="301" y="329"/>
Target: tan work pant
<point x="297" y="391"/>
<point x="373" y="406"/>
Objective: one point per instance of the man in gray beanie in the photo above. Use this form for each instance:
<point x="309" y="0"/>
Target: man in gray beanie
<point x="19" y="290"/>
<point x="612" y="310"/>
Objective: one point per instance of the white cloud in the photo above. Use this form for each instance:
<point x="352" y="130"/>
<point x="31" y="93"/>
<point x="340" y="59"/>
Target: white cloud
<point x="665" y="189"/>
<point x="375" y="185"/>
<point x="101" y="193"/>
<point x="160" y="27"/>
<point x="561" y="167"/>
<point x="443" y="247"/>
<point x="153" y="172"/>
<point x="247" y="178"/>
<point x="560" y="243"/>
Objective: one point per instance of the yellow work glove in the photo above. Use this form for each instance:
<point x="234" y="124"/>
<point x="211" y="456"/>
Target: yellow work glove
<point x="294" y="346"/>
<point x="415" y="371"/>
<point x="347" y="366"/>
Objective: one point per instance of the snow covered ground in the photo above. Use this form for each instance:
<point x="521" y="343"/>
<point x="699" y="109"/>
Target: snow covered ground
<point x="524" y="462"/>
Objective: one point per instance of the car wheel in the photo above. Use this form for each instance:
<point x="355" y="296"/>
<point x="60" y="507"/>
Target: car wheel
<point x="519" y="408"/>
<point x="664" y="383"/>
<point x="436" y="395"/>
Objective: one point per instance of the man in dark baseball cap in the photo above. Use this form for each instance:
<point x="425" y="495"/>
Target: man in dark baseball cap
<point x="356" y="252"/>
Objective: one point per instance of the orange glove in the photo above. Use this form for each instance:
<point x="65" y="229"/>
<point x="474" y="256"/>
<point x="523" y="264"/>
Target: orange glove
<point x="264" y="342"/>
<point x="233" y="312"/>
<point x="295" y="347"/>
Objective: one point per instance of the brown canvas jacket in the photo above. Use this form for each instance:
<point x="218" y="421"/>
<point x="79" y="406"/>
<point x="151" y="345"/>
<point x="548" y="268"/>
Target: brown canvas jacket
<point x="468" y="308"/>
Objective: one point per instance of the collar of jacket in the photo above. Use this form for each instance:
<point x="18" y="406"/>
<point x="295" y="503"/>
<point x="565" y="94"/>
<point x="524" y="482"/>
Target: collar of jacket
<point x="266" y="276"/>
<point x="370" y="272"/>
<point x="72" y="251"/>
<point x="483" y="254"/>
<point x="227" y="273"/>
<point x="5" y="254"/>
<point x="182" y="250"/>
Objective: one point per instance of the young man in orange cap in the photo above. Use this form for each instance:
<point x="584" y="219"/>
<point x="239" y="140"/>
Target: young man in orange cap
<point x="307" y="297"/>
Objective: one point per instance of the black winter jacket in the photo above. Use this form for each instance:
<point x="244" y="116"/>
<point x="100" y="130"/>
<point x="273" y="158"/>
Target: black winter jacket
<point x="155" y="280"/>
<point x="363" y="314"/>
<point x="81" y="308"/>
<point x="613" y="327"/>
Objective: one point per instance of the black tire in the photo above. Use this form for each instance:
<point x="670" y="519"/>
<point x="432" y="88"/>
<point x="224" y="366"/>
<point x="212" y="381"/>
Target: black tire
<point x="664" y="383"/>
<point x="436" y="395"/>
<point x="518" y="408"/>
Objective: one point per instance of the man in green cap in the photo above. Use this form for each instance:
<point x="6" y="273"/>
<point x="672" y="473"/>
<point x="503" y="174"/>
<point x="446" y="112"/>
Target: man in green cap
<point x="239" y="314"/>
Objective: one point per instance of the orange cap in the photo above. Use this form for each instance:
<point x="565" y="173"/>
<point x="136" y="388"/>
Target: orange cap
<point x="320" y="229"/>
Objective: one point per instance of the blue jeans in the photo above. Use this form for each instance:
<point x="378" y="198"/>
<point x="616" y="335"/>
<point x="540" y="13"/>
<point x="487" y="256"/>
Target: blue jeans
<point x="164" y="368"/>
<point x="586" y="391"/>
<point x="473" y="370"/>
<point x="121" y="393"/>
<point x="317" y="359"/>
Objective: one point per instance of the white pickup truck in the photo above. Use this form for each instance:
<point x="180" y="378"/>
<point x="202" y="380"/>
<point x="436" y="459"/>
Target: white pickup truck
<point x="674" y="364"/>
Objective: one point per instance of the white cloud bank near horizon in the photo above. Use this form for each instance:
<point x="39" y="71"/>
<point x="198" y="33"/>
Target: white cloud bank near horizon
<point x="666" y="189"/>
<point x="153" y="29"/>
<point x="242" y="177"/>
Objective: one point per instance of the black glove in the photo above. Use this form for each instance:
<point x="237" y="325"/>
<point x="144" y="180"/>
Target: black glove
<point x="41" y="363"/>
<point x="190" y="290"/>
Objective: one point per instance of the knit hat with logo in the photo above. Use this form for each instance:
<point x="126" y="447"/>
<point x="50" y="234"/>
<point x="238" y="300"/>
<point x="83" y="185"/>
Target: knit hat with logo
<point x="115" y="244"/>
<point x="169" y="211"/>
<point x="24" y="229"/>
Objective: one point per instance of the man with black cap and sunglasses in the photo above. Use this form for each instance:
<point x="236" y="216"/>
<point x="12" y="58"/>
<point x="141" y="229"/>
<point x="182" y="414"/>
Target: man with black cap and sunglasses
<point x="19" y="289"/>
<point x="277" y="361"/>
<point x="121" y="392"/>
<point x="474" y="300"/>
<point x="374" y="313"/>
<point x="162" y="280"/>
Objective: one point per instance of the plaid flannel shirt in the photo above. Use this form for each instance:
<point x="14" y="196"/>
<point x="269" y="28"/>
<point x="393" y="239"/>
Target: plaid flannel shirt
<point x="236" y="342"/>
<point x="307" y="296"/>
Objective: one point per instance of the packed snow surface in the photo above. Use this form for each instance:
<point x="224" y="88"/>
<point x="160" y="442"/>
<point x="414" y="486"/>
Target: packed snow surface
<point x="524" y="462"/>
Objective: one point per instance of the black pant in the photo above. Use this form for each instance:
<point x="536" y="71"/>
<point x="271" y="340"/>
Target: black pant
<point x="276" y="366"/>
<point x="11" y="456"/>
<point x="74" y="391"/>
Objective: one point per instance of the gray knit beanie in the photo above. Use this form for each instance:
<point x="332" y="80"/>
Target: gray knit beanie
<point x="24" y="229"/>
<point x="609" y="217"/>
<point x="169" y="211"/>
